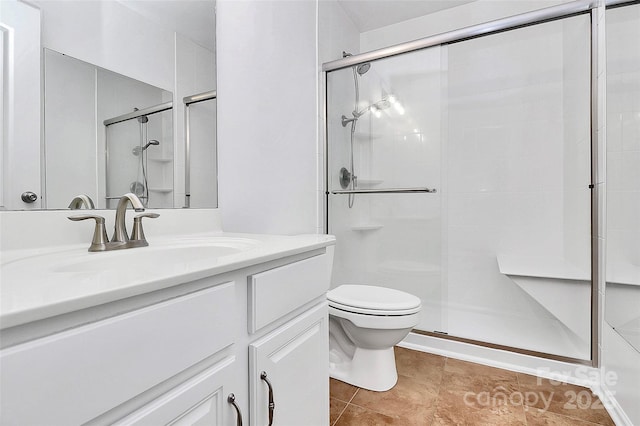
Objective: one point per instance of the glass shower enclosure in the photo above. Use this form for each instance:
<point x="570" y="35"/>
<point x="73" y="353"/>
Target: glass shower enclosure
<point x="461" y="173"/>
<point x="139" y="156"/>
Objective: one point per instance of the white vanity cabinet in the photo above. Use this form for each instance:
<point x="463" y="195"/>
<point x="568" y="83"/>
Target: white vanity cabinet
<point x="293" y="359"/>
<point x="175" y="355"/>
<point x="78" y="374"/>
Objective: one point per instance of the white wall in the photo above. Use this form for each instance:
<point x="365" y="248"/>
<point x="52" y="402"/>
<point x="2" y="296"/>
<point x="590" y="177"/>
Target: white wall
<point x="458" y="17"/>
<point x="267" y="115"/>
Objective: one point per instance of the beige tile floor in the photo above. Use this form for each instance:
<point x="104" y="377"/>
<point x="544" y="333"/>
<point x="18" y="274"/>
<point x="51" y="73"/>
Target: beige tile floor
<point x="434" y="390"/>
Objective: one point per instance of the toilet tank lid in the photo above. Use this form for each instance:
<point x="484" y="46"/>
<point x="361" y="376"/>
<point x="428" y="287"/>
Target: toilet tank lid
<point x="373" y="297"/>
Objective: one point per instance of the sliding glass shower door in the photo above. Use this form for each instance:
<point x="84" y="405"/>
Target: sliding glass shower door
<point x="499" y="127"/>
<point x="385" y="135"/>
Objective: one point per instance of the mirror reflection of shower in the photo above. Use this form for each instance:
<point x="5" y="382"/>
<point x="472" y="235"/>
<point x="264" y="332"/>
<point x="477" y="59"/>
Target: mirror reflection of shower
<point x="140" y="187"/>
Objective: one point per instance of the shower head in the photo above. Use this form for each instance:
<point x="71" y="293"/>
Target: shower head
<point x="363" y="68"/>
<point x="151" y="142"/>
<point x="142" y="118"/>
<point x="138" y="149"/>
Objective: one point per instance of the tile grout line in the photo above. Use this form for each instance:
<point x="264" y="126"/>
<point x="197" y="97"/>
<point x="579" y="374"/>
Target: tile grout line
<point x="345" y="407"/>
<point x="437" y="403"/>
<point x="524" y="410"/>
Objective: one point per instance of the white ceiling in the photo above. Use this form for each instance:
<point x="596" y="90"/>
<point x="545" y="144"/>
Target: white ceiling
<point x="192" y="18"/>
<point x="371" y="14"/>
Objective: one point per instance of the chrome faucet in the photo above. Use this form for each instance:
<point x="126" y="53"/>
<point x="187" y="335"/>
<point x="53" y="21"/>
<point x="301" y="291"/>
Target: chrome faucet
<point x="120" y="239"/>
<point x="81" y="200"/>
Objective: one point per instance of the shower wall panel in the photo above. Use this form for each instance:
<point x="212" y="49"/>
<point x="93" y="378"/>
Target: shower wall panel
<point x="393" y="239"/>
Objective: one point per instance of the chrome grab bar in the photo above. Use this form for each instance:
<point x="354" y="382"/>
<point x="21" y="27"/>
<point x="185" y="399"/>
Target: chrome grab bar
<point x="384" y="191"/>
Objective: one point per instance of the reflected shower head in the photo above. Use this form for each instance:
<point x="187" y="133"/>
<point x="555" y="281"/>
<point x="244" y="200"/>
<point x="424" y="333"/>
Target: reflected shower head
<point x="138" y="149"/>
<point x="151" y="142"/>
<point x="142" y="118"/>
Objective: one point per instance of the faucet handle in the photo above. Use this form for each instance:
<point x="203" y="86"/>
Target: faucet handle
<point x="137" y="234"/>
<point x="100" y="239"/>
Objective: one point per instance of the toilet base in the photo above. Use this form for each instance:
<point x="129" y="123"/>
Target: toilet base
<point x="372" y="369"/>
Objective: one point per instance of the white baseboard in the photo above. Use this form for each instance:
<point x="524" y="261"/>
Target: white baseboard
<point x="614" y="409"/>
<point x="565" y="372"/>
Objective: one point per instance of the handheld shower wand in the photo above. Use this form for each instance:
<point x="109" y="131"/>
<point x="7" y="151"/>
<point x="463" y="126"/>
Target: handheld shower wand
<point x="137" y="150"/>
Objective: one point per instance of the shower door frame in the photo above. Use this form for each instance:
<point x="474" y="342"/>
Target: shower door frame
<point x="596" y="10"/>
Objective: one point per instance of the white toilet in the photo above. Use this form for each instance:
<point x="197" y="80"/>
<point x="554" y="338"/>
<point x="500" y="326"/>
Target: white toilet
<point x="365" y="322"/>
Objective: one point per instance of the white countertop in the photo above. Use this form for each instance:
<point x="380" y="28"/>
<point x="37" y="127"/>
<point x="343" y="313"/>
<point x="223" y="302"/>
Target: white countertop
<point x="39" y="283"/>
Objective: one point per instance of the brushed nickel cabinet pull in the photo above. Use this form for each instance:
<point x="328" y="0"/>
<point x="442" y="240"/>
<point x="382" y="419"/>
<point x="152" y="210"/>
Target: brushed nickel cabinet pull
<point x="272" y="405"/>
<point x="231" y="399"/>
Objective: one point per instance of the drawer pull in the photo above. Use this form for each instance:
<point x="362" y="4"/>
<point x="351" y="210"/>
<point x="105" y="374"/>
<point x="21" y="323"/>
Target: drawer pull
<point x="231" y="399"/>
<point x="272" y="405"/>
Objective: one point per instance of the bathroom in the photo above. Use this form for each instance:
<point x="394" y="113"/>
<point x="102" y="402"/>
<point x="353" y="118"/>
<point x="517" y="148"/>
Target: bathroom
<point x="469" y="249"/>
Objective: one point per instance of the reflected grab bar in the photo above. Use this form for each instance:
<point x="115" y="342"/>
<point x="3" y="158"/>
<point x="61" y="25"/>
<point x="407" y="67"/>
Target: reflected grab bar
<point x="384" y="191"/>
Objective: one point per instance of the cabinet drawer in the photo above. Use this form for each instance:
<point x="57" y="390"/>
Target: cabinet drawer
<point x="109" y="362"/>
<point x="202" y="400"/>
<point x="276" y="292"/>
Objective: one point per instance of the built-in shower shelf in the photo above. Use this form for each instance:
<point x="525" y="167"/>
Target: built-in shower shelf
<point x="366" y="227"/>
<point x="161" y="160"/>
<point x="161" y="190"/>
<point x="369" y="182"/>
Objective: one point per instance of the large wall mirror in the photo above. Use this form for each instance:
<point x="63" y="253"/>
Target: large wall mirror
<point x="108" y="97"/>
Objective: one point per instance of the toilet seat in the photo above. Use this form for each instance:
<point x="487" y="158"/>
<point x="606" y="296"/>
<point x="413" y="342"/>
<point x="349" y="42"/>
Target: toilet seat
<point x="373" y="300"/>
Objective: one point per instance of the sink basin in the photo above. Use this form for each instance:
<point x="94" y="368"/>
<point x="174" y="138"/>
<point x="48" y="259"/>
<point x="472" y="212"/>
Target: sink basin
<point x="174" y="255"/>
<point x="149" y="258"/>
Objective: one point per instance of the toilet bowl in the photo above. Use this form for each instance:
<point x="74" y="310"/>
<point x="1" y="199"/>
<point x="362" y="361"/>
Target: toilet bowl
<point x="365" y="323"/>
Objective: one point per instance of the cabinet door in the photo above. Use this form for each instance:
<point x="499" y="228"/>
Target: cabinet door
<point x="202" y="400"/>
<point x="295" y="358"/>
